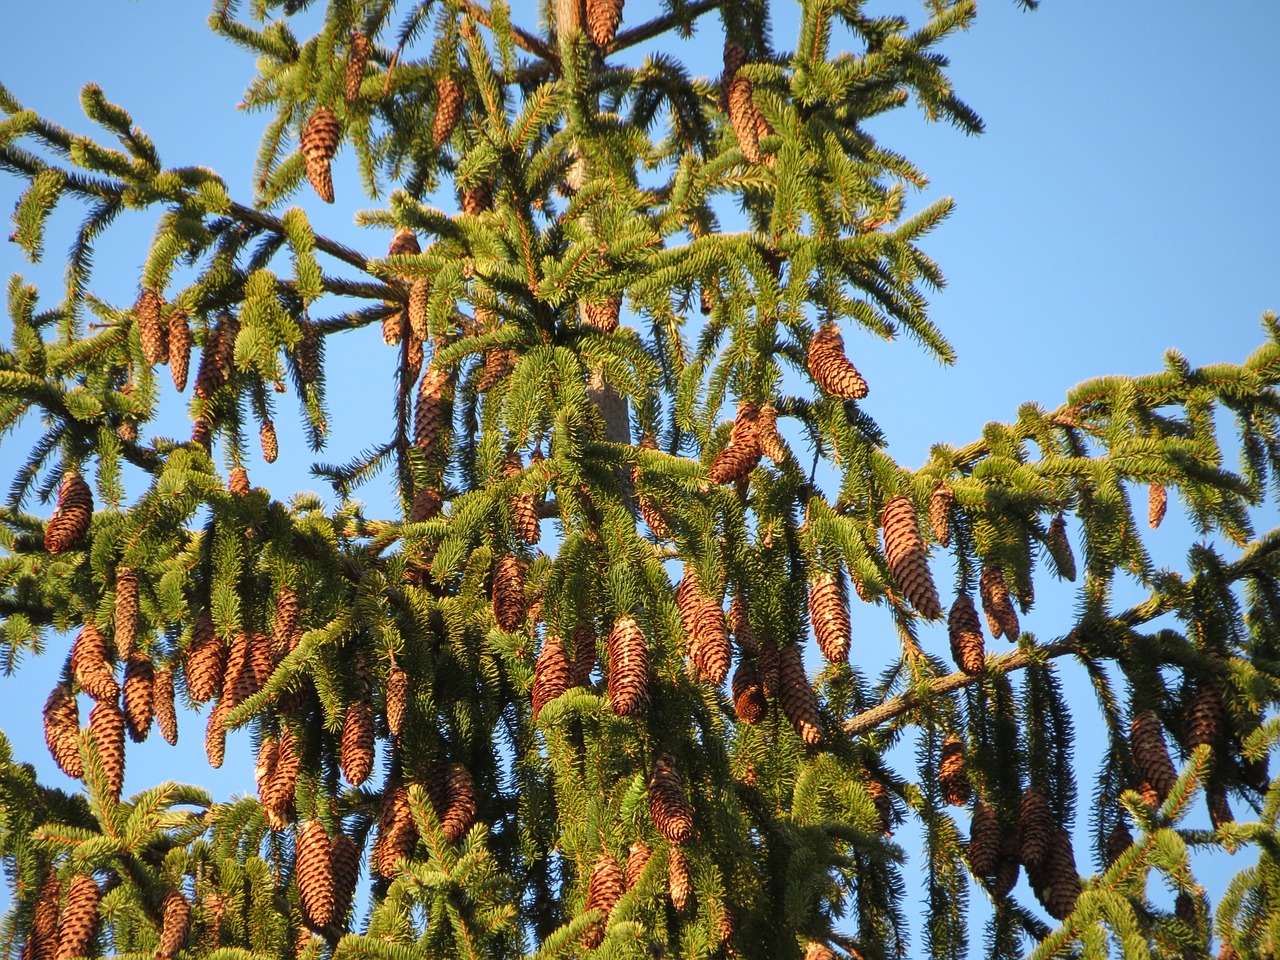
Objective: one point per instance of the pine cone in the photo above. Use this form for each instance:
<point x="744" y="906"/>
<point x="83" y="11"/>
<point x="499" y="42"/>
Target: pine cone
<point x="209" y="374"/>
<point x="770" y="439"/>
<point x="550" y="674"/>
<point x="628" y="669"/>
<point x="829" y="617"/>
<point x="637" y="859"/>
<point x="668" y="805"/>
<point x="449" y="100"/>
<point x="238" y="482"/>
<point x="1055" y="882"/>
<point x="1219" y="808"/>
<point x="43" y="939"/>
<point x="606" y="887"/>
<point x="1060" y="548"/>
<point x="966" y="636"/>
<point x="879" y="794"/>
<point x="215" y="735"/>
<point x="154" y="334"/>
<point x="166" y="713"/>
<point x="319" y="144"/>
<point x="1006" y="876"/>
<point x="358" y="742"/>
<point x="1118" y="841"/>
<point x="477" y="199"/>
<point x="139" y="695"/>
<point x="652" y="515"/>
<point x="315" y="875"/>
<point x="830" y="368"/>
<point x="285" y="631"/>
<point x="353" y="73"/>
<point x="1206" y="716"/>
<point x="508" y="593"/>
<point x="308" y="353"/>
<point x="818" y="951"/>
<point x="904" y="549"/>
<point x="270" y="444"/>
<point x="89" y="665"/>
<point x="433" y="414"/>
<point x="603" y="17"/>
<point x="1150" y="755"/>
<point x="497" y="365"/>
<point x="796" y="696"/>
<point x="179" y="348"/>
<point x="740" y="624"/>
<point x="941" y="503"/>
<point x="397" y="834"/>
<point x="706" y="631"/>
<point x="62" y="730"/>
<point x="206" y="660"/>
<point x="202" y="433"/>
<point x="603" y="314"/>
<point x="1035" y="828"/>
<point x="679" y="883"/>
<point x="736" y="461"/>
<point x="1149" y="795"/>
<point x="453" y="795"/>
<point x="70" y="520"/>
<point x="176" y="924"/>
<point x="997" y="605"/>
<point x="79" y="918"/>
<point x="106" y="724"/>
<point x="985" y="835"/>
<point x="951" y="773"/>
<point x="584" y="655"/>
<point x="397" y="700"/>
<point x="749" y="701"/>
<point x="344" y="855"/>
<point x="392" y="326"/>
<point x="278" y="792"/>
<point x="524" y="510"/>
<point x="1157" y="504"/>
<point x="742" y="117"/>
<point x="419" y="302"/>
<point x="264" y="770"/>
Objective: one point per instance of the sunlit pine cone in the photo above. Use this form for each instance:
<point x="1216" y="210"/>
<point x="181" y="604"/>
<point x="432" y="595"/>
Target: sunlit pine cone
<point x="952" y="778"/>
<point x="175" y="924"/>
<point x="603" y="17"/>
<point x="265" y="768"/>
<point x="604" y="890"/>
<point x="179" y="348"/>
<point x="206" y="660"/>
<point x="905" y="551"/>
<point x="42" y="941"/>
<point x="638" y="855"/>
<point x="1150" y="755"/>
<point x="524" y="511"/>
<point x="319" y="144"/>
<point x="215" y="735"/>
<point x="1060" y="548"/>
<point x="652" y="516"/>
<point x="736" y="461"/>
<point x="965" y="633"/>
<point x="1035" y="828"/>
<point x="62" y="730"/>
<point x="941" y="503"/>
<point x="278" y="797"/>
<point x="508" y="593"/>
<point x="419" y="301"/>
<point x="397" y="833"/>
<point x="997" y="604"/>
<point x="740" y="624"/>
<point x="202" y="433"/>
<point x="879" y="794"/>
<point x="1206" y="716"/>
<point x="477" y="199"/>
<point x="629" y="694"/>
<point x="584" y="655"/>
<point x="796" y="696"/>
<point x="831" y="369"/>
<point x="79" y="918"/>
<point x="497" y="365"/>
<point x="353" y="72"/>
<point x="237" y="676"/>
<point x="603" y="314"/>
<point x="357" y="750"/>
<point x="166" y="712"/>
<point x="139" y="695"/>
<point x="309" y="352"/>
<point x="706" y="633"/>
<point x="89" y="665"/>
<point x="679" y="882"/>
<point x="829" y="617"/>
<point x="669" y="805"/>
<point x="344" y="855"/>
<point x="285" y="629"/>
<point x="449" y="100"/>
<point x="209" y="375"/>
<point x="749" y="701"/>
<point x="238" y="482"/>
<point x="1157" y="504"/>
<point x="106" y="724"/>
<point x="315" y="875"/>
<point x="397" y="700"/>
<point x="1215" y="796"/>
<point x="742" y="117"/>
<point x="453" y="794"/>
<point x="1149" y="795"/>
<point x="985" y="835"/>
<point x="260" y="664"/>
<point x="550" y="674"/>
<point x="269" y="442"/>
<point x="153" y="333"/>
<point x="768" y="437"/>
<point x="818" y="951"/>
<point x="70" y="520"/>
<point x="433" y="413"/>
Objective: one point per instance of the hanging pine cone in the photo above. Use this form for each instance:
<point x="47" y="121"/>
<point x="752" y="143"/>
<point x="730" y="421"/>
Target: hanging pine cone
<point x="997" y="604"/>
<point x="1007" y="867"/>
<point x="508" y="593"/>
<point x="202" y="433"/>
<point x="433" y="413"/>
<point x="62" y="730"/>
<point x="651" y="514"/>
<point x="497" y="365"/>
<point x="628" y="669"/>
<point x="965" y="633"/>
<point x="206" y="660"/>
<point x="106" y="724"/>
<point x="941" y="503"/>
<point x="175" y="926"/>
<point x="1150" y="755"/>
<point x="238" y="482"/>
<point x="397" y="834"/>
<point x="679" y="883"/>
<point x="278" y="792"/>
<point x="477" y="199"/>
<point x="736" y="461"/>
<point x="1060" y="548"/>
<point x="742" y="117"/>
<point x="584" y="655"/>
<point x="550" y="674"/>
<point x="345" y="858"/>
<point x="1219" y="808"/>
<point x="706" y="631"/>
<point x="795" y="694"/>
<point x="449" y="99"/>
<point x="319" y="144"/>
<point x="265" y="768"/>
<point x="453" y="795"/>
<point x="153" y="333"/>
<point x="603" y="314"/>
<point x="79" y="918"/>
<point x="904" y="549"/>
<point x="830" y="368"/>
<point x="1055" y="882"/>
<point x="603" y="17"/>
<point x="285" y="625"/>
<point x="89" y="665"/>
<point x="397" y="700"/>
<point x="879" y="794"/>
<point x="308" y="353"/>
<point x="179" y="348"/>
<point x="637" y="859"/>
<point x="524" y="510"/>
<point x="237" y="677"/>
<point x="315" y="875"/>
<point x="270" y="444"/>
<point x="951" y="773"/>
<point x="353" y="72"/>
<point x="829" y="617"/>
<point x="215" y="734"/>
<point x="42" y="942"/>
<point x="1118" y="841"/>
<point x="985" y="835"/>
<point x="1035" y="828"/>
<point x="139" y="695"/>
<point x="749" y="701"/>
<point x="393" y="325"/>
<point x="740" y="624"/>
<point x="606" y="887"/>
<point x="1206" y="716"/>
<point x="668" y="804"/>
<point x="70" y="520"/>
<point x="419" y="302"/>
<point x="1157" y="504"/>
<point x="357" y="751"/>
<point x="770" y="439"/>
<point x="209" y="374"/>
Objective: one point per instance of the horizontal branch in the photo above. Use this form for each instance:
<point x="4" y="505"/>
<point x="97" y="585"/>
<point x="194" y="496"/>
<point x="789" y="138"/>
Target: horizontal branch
<point x="523" y="38"/>
<point x="266" y="221"/>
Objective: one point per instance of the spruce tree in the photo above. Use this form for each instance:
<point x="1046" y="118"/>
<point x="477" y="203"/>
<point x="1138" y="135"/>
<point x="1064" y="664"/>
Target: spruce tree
<point x="563" y="702"/>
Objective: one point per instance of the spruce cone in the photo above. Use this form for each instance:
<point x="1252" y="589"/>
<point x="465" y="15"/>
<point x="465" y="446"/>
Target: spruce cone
<point x="1060" y="548"/>
<point x="736" y="461"/>
<point x="209" y="374"/>
<point x="154" y="334"/>
<point x="603" y="314"/>
<point x="397" y="700"/>
<point x="179" y="348"/>
<point x="749" y="701"/>
<point x="477" y="199"/>
<point x="319" y="144"/>
<point x="206" y="660"/>
<point x="166" y="714"/>
<point x="308" y="352"/>
<point x="433" y="413"/>
<point x="264" y="770"/>
<point x="966" y="636"/>
<point x="89" y="665"/>
<point x="831" y="369"/>
<point x="740" y="623"/>
<point x="1157" y="504"/>
<point x="215" y="735"/>
<point x="606" y="887"/>
<point x="985" y="835"/>
<point x="397" y="833"/>
<point x="707" y="630"/>
<point x="353" y="73"/>
<point x="427" y="504"/>
<point x="1118" y="841"/>
<point x="767" y="663"/>
<point x="42" y="942"/>
<point x="628" y="669"/>
<point x="1150" y="755"/>
<point x="603" y="17"/>
<point x="1219" y="808"/>
<point x="79" y="918"/>
<point x="1055" y="881"/>
<point x="202" y="433"/>
<point x="905" y="552"/>
<point x="70" y="520"/>
<point x="139" y="695"/>
<point x="315" y="875"/>
<point x="62" y="730"/>
<point x="449" y="101"/>
<point x="668" y="805"/>
<point x="651" y="515"/>
<point x="1149" y="795"/>
<point x="508" y="593"/>
<point x="270" y="444"/>
<point x="285" y="632"/>
<point x="584" y="655"/>
<point x="1206" y="716"/>
<point x="106" y="724"/>
<point x="879" y="794"/>
<point x="1035" y="828"/>
<point x="419" y="301"/>
<point x="550" y="674"/>
<point x="637" y="859"/>
<point x="679" y="884"/>
<point x="941" y="503"/>
<point x="238" y="482"/>
<point x="392" y="325"/>
<point x="997" y="604"/>
<point x="796" y="696"/>
<point x="830" y="618"/>
<point x="524" y="511"/>
<point x="951" y="773"/>
<point x="453" y="795"/>
<point x="742" y="117"/>
<point x="278" y="794"/>
<point x="818" y="951"/>
<point x="1006" y="876"/>
<point x="358" y="742"/>
<point x="345" y="858"/>
<point x="497" y="364"/>
<point x="771" y="444"/>
<point x="175" y="926"/>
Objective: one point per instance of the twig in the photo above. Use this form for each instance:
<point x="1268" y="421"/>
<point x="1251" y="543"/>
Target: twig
<point x="524" y="39"/>
<point x="267" y="222"/>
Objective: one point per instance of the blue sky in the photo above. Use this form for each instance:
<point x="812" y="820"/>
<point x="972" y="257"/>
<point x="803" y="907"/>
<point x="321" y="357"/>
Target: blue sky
<point x="1123" y="201"/>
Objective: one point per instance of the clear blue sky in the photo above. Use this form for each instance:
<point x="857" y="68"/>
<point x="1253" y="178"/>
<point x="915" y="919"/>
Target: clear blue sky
<point x="1123" y="201"/>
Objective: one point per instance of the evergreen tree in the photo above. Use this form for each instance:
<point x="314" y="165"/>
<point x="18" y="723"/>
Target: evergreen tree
<point x="580" y="645"/>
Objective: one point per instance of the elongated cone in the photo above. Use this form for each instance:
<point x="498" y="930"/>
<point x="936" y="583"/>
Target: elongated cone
<point x="392" y="326"/>
<point x="202" y="433"/>
<point x="206" y="660"/>
<point x="984" y="841"/>
<point x="1150" y="755"/>
<point x="830" y="368"/>
<point x="829" y="617"/>
<point x="1157" y="504"/>
<point x="628" y="669"/>
<point x="154" y="334"/>
<point x="679" y="884"/>
<point x="278" y="796"/>
<point x="879" y="794"/>
<point x="353" y="72"/>
<point x="62" y="730"/>
<point x="106" y="724"/>
<point x="1206" y="716"/>
<point x="433" y="413"/>
<point x="951" y="773"/>
<point x="1055" y="882"/>
<point x="550" y="674"/>
<point x="584" y="654"/>
<point x="1035" y="828"/>
<point x="637" y="859"/>
<point x="740" y="624"/>
<point x="89" y="665"/>
<point x="770" y="439"/>
<point x="176" y="924"/>
<point x="477" y="198"/>
<point x="79" y="918"/>
<point x="397" y="834"/>
<point x="70" y="520"/>
<point x="449" y="101"/>
<point x="668" y="804"/>
<point x="315" y="875"/>
<point x="357" y="753"/>
<point x="941" y="503"/>
<point x="166" y="713"/>
<point x="319" y="144"/>
<point x="1060" y="548"/>
<point x="965" y="633"/>
<point x="309" y="352"/>
<point x="237" y="677"/>
<point x="215" y="734"/>
<point x="179" y="348"/>
<point x="1219" y="807"/>
<point x="603" y="314"/>
<point x="796" y="696"/>
<point x="238" y="482"/>
<point x="453" y="794"/>
<point x="1006" y="876"/>
<point x="508" y="593"/>
<point x="604" y="890"/>
<point x="749" y="701"/>
<point x="997" y="604"/>
<point x="265" y="768"/>
<point x="524" y="511"/>
<point x="603" y="17"/>
<point x="139" y="695"/>
<point x="42" y="942"/>
<point x="1118" y="841"/>
<point x="269" y="442"/>
<point x="419" y="301"/>
<point x="397" y="700"/>
<point x="345" y="856"/>
<point x="285" y="631"/>
<point x="736" y="461"/>
<point x="742" y="117"/>
<point x="904" y="549"/>
<point x="497" y="364"/>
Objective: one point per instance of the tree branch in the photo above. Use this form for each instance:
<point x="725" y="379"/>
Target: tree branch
<point x="267" y="222"/>
<point x="524" y="39"/>
<point x="660" y="25"/>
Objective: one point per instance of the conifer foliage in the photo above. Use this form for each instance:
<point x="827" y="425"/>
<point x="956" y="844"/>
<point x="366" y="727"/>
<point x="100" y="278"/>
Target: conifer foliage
<point x="593" y="689"/>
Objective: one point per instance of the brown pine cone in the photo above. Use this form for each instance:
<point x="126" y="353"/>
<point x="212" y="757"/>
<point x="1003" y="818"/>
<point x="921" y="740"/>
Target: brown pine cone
<point x="42" y="942"/>
<point x="427" y="504"/>
<point x="269" y="442"/>
<point x="215" y="734"/>
<point x="70" y="520"/>
<point x="278" y="795"/>
<point x="1035" y="828"/>
<point x="997" y="604"/>
<point x="202" y="433"/>
<point x="353" y="72"/>
<point x="1157" y="504"/>
<point x="951" y="773"/>
<point x="393" y="325"/>
<point x="767" y="663"/>
<point x="705" y="627"/>
<point x="453" y="795"/>
<point x="831" y="369"/>
<point x="497" y="365"/>
<point x="628" y="669"/>
<point x="206" y="660"/>
<point x="397" y="700"/>
<point x="166" y="713"/>
<point x="433" y="414"/>
<point x="1150" y="755"/>
<point x="477" y="199"/>
<point x="603" y="314"/>
<point x="742" y="117"/>
<point x="1006" y="876"/>
<point x="89" y="665"/>
<point x="749" y="701"/>
<point x="740" y="624"/>
<point x="79" y="918"/>
<point x="1118" y="841"/>
<point x="985" y="835"/>
<point x="419" y="302"/>
<point x="524" y="510"/>
<point x="397" y="833"/>
<point x="771" y="444"/>
<point x="179" y="348"/>
<point x="285" y="631"/>
<point x="941" y="503"/>
<point x="106" y="724"/>
<point x="965" y="633"/>
<point x="652" y="516"/>
<point x="344" y="855"/>
<point x="176" y="924"/>
<point x="679" y="883"/>
<point x="879" y="794"/>
<point x="315" y="875"/>
<point x="153" y="333"/>
<point x="62" y="730"/>
<point x="603" y="17"/>
<point x="1060" y="548"/>
<point x="736" y="461"/>
<point x="238" y="482"/>
<point x="139" y="695"/>
<point x="904" y="549"/>
<point x="449" y="100"/>
<point x="308" y="352"/>
<point x="508" y="593"/>
<point x="606" y="887"/>
<point x="209" y="374"/>
<point x="1206" y="716"/>
<point x="357" y="752"/>
<point x="550" y="674"/>
<point x="668" y="805"/>
<point x="829" y="617"/>
<point x="265" y="768"/>
<point x="818" y="951"/>
<point x="1219" y="807"/>
<point x="637" y="859"/>
<point x="319" y="144"/>
<point x="1055" y="882"/>
<point x="796" y="696"/>
<point x="584" y="655"/>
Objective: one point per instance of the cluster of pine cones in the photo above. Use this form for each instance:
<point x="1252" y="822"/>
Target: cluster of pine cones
<point x="64" y="922"/>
